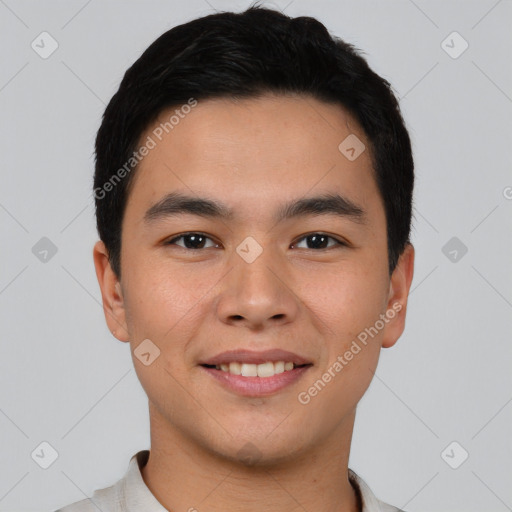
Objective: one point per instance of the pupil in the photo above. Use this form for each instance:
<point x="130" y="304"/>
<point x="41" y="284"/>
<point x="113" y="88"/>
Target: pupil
<point x="316" y="239"/>
<point x="197" y="241"/>
<point x="194" y="239"/>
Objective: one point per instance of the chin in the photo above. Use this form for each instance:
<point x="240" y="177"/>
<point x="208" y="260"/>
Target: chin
<point x="262" y="450"/>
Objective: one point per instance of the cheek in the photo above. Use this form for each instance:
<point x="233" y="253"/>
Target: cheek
<point x="347" y="301"/>
<point x="358" y="300"/>
<point x="156" y="300"/>
<point x="347" y="385"/>
<point x="162" y="287"/>
<point x="167" y="304"/>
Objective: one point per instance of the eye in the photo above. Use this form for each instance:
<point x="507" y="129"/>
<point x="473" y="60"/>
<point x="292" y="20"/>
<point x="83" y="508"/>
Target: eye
<point x="191" y="241"/>
<point x="319" y="241"/>
<point x="195" y="241"/>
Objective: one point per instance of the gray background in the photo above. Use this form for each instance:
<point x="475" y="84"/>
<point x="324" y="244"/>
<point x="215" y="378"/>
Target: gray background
<point x="64" y="378"/>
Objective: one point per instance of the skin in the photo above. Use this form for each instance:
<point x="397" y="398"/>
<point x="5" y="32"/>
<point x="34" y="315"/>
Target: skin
<point x="253" y="155"/>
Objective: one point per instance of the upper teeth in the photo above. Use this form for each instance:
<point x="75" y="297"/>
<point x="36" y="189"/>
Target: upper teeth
<point x="267" y="369"/>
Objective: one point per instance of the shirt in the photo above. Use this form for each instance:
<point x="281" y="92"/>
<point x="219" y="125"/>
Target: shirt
<point x="131" y="494"/>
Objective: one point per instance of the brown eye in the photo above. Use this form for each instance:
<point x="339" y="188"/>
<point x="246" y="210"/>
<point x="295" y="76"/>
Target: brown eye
<point x="192" y="241"/>
<point x="319" y="241"/>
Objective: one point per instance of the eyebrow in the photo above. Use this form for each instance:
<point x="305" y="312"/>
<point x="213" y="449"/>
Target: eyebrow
<point x="177" y="203"/>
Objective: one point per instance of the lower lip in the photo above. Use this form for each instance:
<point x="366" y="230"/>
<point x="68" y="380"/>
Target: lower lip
<point x="256" y="386"/>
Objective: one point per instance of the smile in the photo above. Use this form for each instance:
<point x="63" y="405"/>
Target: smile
<point x="256" y="373"/>
<point x="268" y="369"/>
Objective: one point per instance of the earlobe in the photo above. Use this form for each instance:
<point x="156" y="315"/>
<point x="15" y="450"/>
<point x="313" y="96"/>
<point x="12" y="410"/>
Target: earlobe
<point x="399" y="287"/>
<point x="111" y="293"/>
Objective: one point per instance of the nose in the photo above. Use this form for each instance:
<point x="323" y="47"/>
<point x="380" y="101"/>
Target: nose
<point x="257" y="295"/>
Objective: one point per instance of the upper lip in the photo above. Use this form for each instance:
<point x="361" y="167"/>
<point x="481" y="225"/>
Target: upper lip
<point x="254" y="357"/>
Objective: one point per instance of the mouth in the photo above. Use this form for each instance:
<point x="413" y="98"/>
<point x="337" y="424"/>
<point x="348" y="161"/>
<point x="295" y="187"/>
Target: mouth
<point x="256" y="373"/>
<point x="263" y="370"/>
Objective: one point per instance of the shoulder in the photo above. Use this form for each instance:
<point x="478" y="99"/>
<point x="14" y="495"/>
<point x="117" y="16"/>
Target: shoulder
<point x="102" y="499"/>
<point x="115" y="497"/>
<point x="369" y="502"/>
<point x="79" y="506"/>
<point x="385" y="507"/>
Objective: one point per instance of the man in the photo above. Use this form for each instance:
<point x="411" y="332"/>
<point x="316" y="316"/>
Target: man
<point x="253" y="191"/>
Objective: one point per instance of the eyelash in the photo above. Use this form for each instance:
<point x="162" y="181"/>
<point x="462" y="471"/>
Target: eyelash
<point x="339" y="243"/>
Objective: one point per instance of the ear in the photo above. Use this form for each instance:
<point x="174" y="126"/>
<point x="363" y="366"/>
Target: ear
<point x="399" y="286"/>
<point x="111" y="293"/>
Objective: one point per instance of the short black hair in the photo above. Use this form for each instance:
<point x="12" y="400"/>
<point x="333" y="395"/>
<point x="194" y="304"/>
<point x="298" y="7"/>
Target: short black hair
<point x="245" y="55"/>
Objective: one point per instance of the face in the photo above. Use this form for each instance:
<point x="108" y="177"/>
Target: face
<point x="244" y="285"/>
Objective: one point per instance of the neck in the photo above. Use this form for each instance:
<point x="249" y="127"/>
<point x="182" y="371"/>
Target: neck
<point x="184" y="476"/>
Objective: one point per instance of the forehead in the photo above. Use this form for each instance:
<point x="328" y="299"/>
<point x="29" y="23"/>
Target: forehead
<point x="253" y="151"/>
<point x="267" y="126"/>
